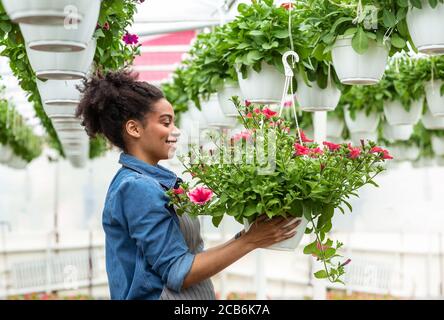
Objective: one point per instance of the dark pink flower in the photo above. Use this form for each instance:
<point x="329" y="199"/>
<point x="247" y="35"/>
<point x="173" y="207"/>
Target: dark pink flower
<point x="244" y="135"/>
<point x="331" y="146"/>
<point x="130" y="39"/>
<point x="269" y="113"/>
<point x="304" y="137"/>
<point x="288" y="103"/>
<point x="301" y="150"/>
<point x="384" y="153"/>
<point x="179" y="190"/>
<point x="287" y="5"/>
<point x="200" y="195"/>
<point x="105" y="26"/>
<point x="257" y="111"/>
<point x="346" y="262"/>
<point x="316" y="152"/>
<point x="354" y="152"/>
<point x="247" y="103"/>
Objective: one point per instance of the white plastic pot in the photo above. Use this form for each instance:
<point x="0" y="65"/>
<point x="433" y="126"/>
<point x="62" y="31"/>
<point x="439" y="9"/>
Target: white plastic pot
<point x="64" y="123"/>
<point x="440" y="161"/>
<point x="265" y="87"/>
<point x="62" y="65"/>
<point x="15" y="162"/>
<point x="59" y="92"/>
<point x="214" y="115"/>
<point x="224" y="95"/>
<point x="197" y="115"/>
<point x="356" y="137"/>
<point x="361" y="122"/>
<point x="312" y="98"/>
<point x="401" y="132"/>
<point x="354" y="68"/>
<point x="423" y="162"/>
<point x="292" y="243"/>
<point x="426" y="27"/>
<point x="335" y="126"/>
<point x="5" y="153"/>
<point x="438" y="145"/>
<point x="61" y="38"/>
<point x="431" y="122"/>
<point x="397" y="115"/>
<point x="46" y="12"/>
<point x="60" y="111"/>
<point x="435" y="101"/>
<point x="404" y="152"/>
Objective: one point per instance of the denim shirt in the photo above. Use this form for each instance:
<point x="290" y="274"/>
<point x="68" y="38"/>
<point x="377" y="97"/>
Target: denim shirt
<point x="145" y="249"/>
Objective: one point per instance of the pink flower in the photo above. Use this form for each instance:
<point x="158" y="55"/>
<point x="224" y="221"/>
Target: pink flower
<point x="321" y="248"/>
<point x="130" y="39"/>
<point x="287" y="5"/>
<point x="304" y="137"/>
<point x="247" y="103"/>
<point x="331" y="146"/>
<point x="354" y="152"/>
<point x="288" y="103"/>
<point x="385" y="154"/>
<point x="268" y="113"/>
<point x="286" y="129"/>
<point x="316" y="152"/>
<point x="244" y="135"/>
<point x="106" y="26"/>
<point x="249" y="115"/>
<point x="346" y="262"/>
<point x="257" y="111"/>
<point x="301" y="150"/>
<point x="200" y="195"/>
<point x="179" y="190"/>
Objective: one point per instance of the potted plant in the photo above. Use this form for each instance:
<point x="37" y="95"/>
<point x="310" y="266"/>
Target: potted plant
<point x="437" y="140"/>
<point x="431" y="122"/>
<point x="433" y="76"/>
<point x="425" y="24"/>
<point x="300" y="181"/>
<point x="59" y="92"/>
<point x="394" y="133"/>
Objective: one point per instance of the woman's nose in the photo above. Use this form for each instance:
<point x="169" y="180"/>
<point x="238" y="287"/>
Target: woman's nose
<point x="176" y="132"/>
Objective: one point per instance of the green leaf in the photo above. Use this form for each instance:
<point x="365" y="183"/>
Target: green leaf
<point x="433" y="3"/>
<point x="388" y="19"/>
<point x="397" y="41"/>
<point x="360" y="41"/>
<point x="416" y="3"/>
<point x="5" y="26"/>
<point x="321" y="274"/>
<point x="256" y="33"/>
<point x="281" y="34"/>
<point x="253" y="56"/>
<point x="350" y="31"/>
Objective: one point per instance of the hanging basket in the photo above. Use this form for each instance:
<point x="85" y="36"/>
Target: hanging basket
<point x="214" y="115"/>
<point x="431" y="122"/>
<point x="335" y="126"/>
<point x="63" y="38"/>
<point x="404" y="152"/>
<point x="423" y="162"/>
<point x="16" y="162"/>
<point x="62" y="65"/>
<point x="435" y="101"/>
<point x="197" y="115"/>
<point x="396" y="114"/>
<point x="64" y="123"/>
<point x="46" y="12"/>
<point x="312" y="98"/>
<point x="60" y="111"/>
<point x="401" y="132"/>
<point x="438" y="145"/>
<point x="224" y="96"/>
<point x="361" y="122"/>
<point x="5" y="153"/>
<point x="59" y="92"/>
<point x="264" y="87"/>
<point x="426" y="27"/>
<point x="354" y="68"/>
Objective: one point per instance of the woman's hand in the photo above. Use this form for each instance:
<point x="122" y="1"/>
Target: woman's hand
<point x="265" y="232"/>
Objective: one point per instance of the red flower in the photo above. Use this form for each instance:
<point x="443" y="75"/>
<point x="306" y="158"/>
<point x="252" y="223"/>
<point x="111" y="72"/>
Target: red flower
<point x="106" y="26"/>
<point x="301" y="150"/>
<point x="287" y="5"/>
<point x="249" y="115"/>
<point x="200" y="195"/>
<point x="316" y="152"/>
<point x="257" y="111"/>
<point x="288" y="103"/>
<point x="268" y="113"/>
<point x="179" y="190"/>
<point x="304" y="137"/>
<point x="331" y="146"/>
<point x="247" y="103"/>
<point x="320" y="247"/>
<point x="130" y="39"/>
<point x="244" y="135"/>
<point x="385" y="154"/>
<point x="354" y="152"/>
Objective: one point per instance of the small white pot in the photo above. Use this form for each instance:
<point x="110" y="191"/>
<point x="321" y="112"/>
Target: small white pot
<point x="214" y="115"/>
<point x="356" y="137"/>
<point x="423" y="162"/>
<point x="59" y="111"/>
<point x="46" y="12"/>
<point x="312" y="98"/>
<point x="265" y="87"/>
<point x="59" y="92"/>
<point x="438" y="145"/>
<point x="62" y="65"/>
<point x="78" y="162"/>
<point x="64" y="123"/>
<point x="440" y="161"/>
<point x="15" y="162"/>
<point x="335" y="126"/>
<point x="292" y="243"/>
<point x="397" y="115"/>
<point x="401" y="132"/>
<point x="60" y="38"/>
<point x="197" y="115"/>
<point x="426" y="27"/>
<point x="362" y="122"/>
<point x="224" y="95"/>
<point x="5" y="153"/>
<point x="404" y="153"/>
<point x="354" y="68"/>
<point x="435" y="101"/>
<point x="431" y="122"/>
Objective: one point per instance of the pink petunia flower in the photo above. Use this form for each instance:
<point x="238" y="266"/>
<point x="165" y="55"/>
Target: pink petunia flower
<point x="130" y="39"/>
<point x="247" y="103"/>
<point x="354" y="152"/>
<point x="315" y="152"/>
<point x="200" y="195"/>
<point x="244" y="135"/>
<point x="269" y="113"/>
<point x="385" y="154"/>
<point x="301" y="150"/>
<point x="331" y="146"/>
<point x="179" y="190"/>
<point x="304" y="137"/>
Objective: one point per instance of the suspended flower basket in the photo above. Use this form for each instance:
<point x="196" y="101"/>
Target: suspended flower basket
<point x="431" y="122"/>
<point x="394" y="133"/>
<point x="264" y="87"/>
<point x="63" y="123"/>
<point x="426" y="27"/>
<point x="77" y="161"/>
<point x="435" y="100"/>
<point x="46" y="12"/>
<point x="197" y="115"/>
<point x="59" y="92"/>
<point x="224" y="95"/>
<point x="62" y="65"/>
<point x="356" y="137"/>
<point x="354" y="68"/>
<point x="59" y="111"/>
<point x="214" y="115"/>
<point x="396" y="114"/>
<point x="335" y="126"/>
<point x="403" y="152"/>
<point x="5" y="153"/>
<point x="16" y="162"/>
<point x="423" y="162"/>
<point x="63" y="38"/>
<point x="312" y="98"/>
<point x="361" y="122"/>
<point x="438" y="145"/>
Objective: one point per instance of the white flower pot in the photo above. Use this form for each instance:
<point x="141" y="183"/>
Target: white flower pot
<point x="214" y="115"/>
<point x="224" y="95"/>
<point x="59" y="92"/>
<point x="62" y="65"/>
<point x="438" y="145"/>
<point x="5" y="153"/>
<point x="197" y="115"/>
<point x="356" y="137"/>
<point x="435" y="101"/>
<point x="440" y="161"/>
<point x="423" y="162"/>
<point x="292" y="243"/>
<point x="404" y="152"/>
<point x="78" y="162"/>
<point x="46" y="12"/>
<point x="265" y="87"/>
<point x="335" y="126"/>
<point x="426" y="27"/>
<point x="362" y="122"/>
<point x="431" y="122"/>
<point x="60" y="111"/>
<point x="397" y="115"/>
<point x="64" y="123"/>
<point x="401" y="132"/>
<point x="354" y="68"/>
<point x="60" y="38"/>
<point x="312" y="98"/>
<point x="15" y="162"/>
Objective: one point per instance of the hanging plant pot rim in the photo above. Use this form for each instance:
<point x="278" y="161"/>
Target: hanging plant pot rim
<point x="44" y="17"/>
<point x="58" y="45"/>
<point x="433" y="49"/>
<point x="265" y="101"/>
<point x="60" y="75"/>
<point x="315" y="109"/>
<point x="60" y="102"/>
<point x="361" y="81"/>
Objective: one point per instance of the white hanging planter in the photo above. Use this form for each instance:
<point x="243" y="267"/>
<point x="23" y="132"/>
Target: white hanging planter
<point x="225" y="94"/>
<point x="423" y="162"/>
<point x="431" y="122"/>
<point x="440" y="161"/>
<point x="60" y="111"/>
<point x="438" y="145"/>
<point x="401" y="132"/>
<point x="46" y="12"/>
<point x="63" y="123"/>
<point x="312" y="98"/>
<point x="404" y="152"/>
<point x="5" y="153"/>
<point x="426" y="27"/>
<point x="78" y="162"/>
<point x="197" y="115"/>
<point x="362" y="122"/>
<point x="62" y="65"/>
<point x="264" y="87"/>
<point x="59" y="92"/>
<point x="292" y="243"/>
<point x="356" y="137"/>
<point x="63" y="38"/>
<point x="397" y="115"/>
<point x="435" y="101"/>
<point x="214" y="115"/>
<point x="335" y="126"/>
<point x="354" y="68"/>
<point x="16" y="162"/>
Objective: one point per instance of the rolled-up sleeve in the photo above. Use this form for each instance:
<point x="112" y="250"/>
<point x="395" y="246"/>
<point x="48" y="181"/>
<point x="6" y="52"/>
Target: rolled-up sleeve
<point x="155" y="231"/>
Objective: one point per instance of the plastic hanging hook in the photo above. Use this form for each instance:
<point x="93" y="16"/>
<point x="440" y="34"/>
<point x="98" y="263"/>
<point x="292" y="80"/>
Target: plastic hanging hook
<point x="287" y="68"/>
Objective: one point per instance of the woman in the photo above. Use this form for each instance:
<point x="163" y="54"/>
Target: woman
<point x="151" y="253"/>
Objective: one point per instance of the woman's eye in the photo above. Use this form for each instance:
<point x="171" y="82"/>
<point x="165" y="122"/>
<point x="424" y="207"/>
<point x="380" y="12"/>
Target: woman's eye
<point x="166" y="124"/>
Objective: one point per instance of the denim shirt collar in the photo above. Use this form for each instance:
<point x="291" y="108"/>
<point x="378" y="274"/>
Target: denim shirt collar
<point x="165" y="177"/>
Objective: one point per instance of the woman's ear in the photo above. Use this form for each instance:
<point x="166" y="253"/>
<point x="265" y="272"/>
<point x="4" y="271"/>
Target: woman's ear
<point x="133" y="128"/>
